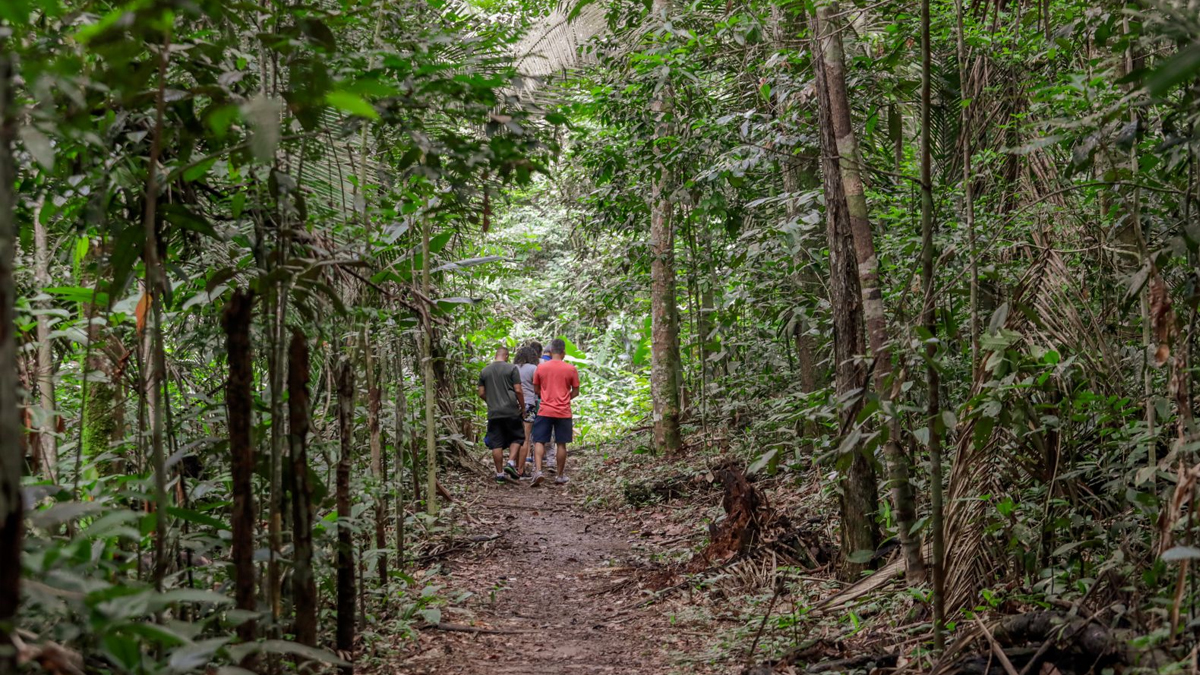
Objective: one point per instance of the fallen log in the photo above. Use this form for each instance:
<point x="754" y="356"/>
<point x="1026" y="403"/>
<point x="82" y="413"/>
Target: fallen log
<point x="1072" y="643"/>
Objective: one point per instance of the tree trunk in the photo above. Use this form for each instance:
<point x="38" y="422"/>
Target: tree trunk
<point x="928" y="318"/>
<point x="47" y="441"/>
<point x="275" y="502"/>
<point x="789" y="170"/>
<point x="858" y="494"/>
<point x="398" y="453"/>
<point x="373" y="404"/>
<point x="664" y="313"/>
<point x="345" y="537"/>
<point x="239" y="406"/>
<point x="156" y="283"/>
<point x="833" y="62"/>
<point x="11" y="456"/>
<point x="304" y="587"/>
<point x="431" y="502"/>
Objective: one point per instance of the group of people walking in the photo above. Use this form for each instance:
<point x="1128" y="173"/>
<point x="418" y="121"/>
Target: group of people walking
<point x="529" y="408"/>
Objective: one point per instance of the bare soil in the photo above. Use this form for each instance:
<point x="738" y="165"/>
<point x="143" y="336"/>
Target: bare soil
<point x="563" y="588"/>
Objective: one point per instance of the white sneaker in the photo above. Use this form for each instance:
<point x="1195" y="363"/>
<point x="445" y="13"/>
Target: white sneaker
<point x="537" y="479"/>
<point x="561" y="480"/>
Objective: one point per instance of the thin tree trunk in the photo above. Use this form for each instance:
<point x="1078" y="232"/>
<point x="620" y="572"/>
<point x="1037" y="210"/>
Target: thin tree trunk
<point x="275" y="500"/>
<point x="789" y="170"/>
<point x="374" y="396"/>
<point x="239" y="406"/>
<point x="11" y="508"/>
<point x="155" y="285"/>
<point x="345" y="537"/>
<point x="928" y="318"/>
<point x="304" y="587"/>
<point x="903" y="502"/>
<point x="431" y="502"/>
<point x="664" y="314"/>
<point x="858" y="494"/>
<point x="47" y="441"/>
<point x="398" y="453"/>
<point x="415" y="432"/>
<point x="968" y="182"/>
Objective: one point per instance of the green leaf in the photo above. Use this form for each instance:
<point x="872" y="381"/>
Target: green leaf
<point x="197" y="518"/>
<point x="439" y="241"/>
<point x="196" y="656"/>
<point x="37" y="145"/>
<point x="182" y="216"/>
<point x="432" y="615"/>
<point x="15" y="12"/>
<point x="1175" y="71"/>
<point x="762" y="461"/>
<point x="1179" y="553"/>
<point x="82" y="244"/>
<point x="78" y="294"/>
<point x="351" y="103"/>
<point x="579" y="6"/>
<point x="199" y="170"/>
<point x="123" y="651"/>
<point x="240" y="652"/>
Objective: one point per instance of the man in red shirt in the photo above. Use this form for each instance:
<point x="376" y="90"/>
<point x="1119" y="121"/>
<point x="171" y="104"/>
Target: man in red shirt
<point x="556" y="382"/>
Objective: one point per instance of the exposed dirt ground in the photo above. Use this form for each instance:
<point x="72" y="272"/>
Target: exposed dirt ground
<point x="559" y="588"/>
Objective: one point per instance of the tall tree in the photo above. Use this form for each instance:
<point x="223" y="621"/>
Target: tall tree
<point x="156" y="285"/>
<point x="833" y="62"/>
<point x="11" y="510"/>
<point x="345" y="535"/>
<point x="665" y="365"/>
<point x="46" y="436"/>
<point x="431" y="482"/>
<point x="239" y="406"/>
<point x="400" y="441"/>
<point x="859" y="492"/>
<point x="304" y="587"/>
<point x="928" y="319"/>
<point x="374" y="396"/>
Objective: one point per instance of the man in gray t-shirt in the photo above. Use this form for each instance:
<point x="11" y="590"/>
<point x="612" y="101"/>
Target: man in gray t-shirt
<point x="500" y="386"/>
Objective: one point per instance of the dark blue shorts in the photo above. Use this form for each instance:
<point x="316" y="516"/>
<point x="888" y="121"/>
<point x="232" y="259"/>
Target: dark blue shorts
<point x="503" y="432"/>
<point x="561" y="427"/>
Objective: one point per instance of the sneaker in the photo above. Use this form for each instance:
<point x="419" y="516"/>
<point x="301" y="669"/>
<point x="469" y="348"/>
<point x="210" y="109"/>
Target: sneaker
<point x="537" y="479"/>
<point x="501" y="479"/>
<point x="561" y="480"/>
<point x="511" y="470"/>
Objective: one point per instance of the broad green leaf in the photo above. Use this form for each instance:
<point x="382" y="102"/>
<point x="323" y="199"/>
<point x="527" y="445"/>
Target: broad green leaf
<point x="198" y="170"/>
<point x="351" y="103"/>
<point x="761" y="461"/>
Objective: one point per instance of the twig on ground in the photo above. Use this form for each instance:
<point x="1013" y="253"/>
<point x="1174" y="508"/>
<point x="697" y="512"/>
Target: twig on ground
<point x="996" y="649"/>
<point x="762" y="625"/>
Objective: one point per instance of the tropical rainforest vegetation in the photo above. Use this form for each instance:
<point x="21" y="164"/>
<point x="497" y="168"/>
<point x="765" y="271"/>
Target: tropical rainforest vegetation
<point x="933" y="264"/>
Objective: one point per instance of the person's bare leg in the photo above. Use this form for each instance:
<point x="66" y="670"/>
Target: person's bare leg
<point x="561" y="456"/>
<point x="498" y="457"/>
<point x="527" y="447"/>
<point x="539" y="451"/>
<point x="515" y="455"/>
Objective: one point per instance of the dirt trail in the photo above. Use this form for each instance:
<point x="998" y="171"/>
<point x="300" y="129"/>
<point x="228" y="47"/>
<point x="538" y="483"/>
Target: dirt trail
<point x="554" y="583"/>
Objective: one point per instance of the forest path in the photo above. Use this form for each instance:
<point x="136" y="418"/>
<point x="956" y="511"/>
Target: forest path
<point x="558" y="583"/>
